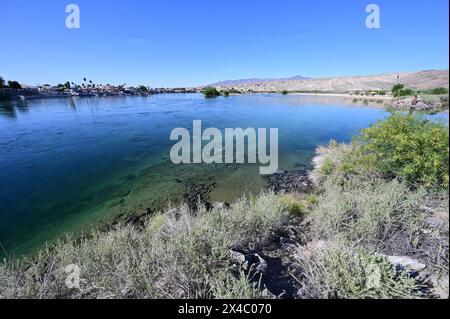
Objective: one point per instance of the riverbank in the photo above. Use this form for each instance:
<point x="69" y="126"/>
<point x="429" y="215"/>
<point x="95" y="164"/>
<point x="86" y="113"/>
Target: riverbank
<point x="424" y="102"/>
<point x="56" y="92"/>
<point x="357" y="233"/>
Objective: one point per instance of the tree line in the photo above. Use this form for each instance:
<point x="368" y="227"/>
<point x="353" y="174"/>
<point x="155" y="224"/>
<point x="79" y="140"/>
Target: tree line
<point x="11" y="84"/>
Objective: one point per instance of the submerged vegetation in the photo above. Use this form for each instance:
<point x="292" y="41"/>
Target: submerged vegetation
<point x="375" y="226"/>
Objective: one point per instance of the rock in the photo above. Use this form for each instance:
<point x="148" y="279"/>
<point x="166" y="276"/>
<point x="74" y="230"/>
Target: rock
<point x="261" y="265"/>
<point x="405" y="262"/>
<point x="249" y="261"/>
<point x="236" y="257"/>
<point x="291" y="231"/>
<point x="284" y="182"/>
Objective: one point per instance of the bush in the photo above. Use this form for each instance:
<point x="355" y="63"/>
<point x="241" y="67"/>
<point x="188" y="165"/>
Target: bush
<point x="327" y="167"/>
<point x="406" y="92"/>
<point x="284" y="92"/>
<point x="408" y="146"/>
<point x="144" y="89"/>
<point x="14" y="85"/>
<point x="225" y="286"/>
<point x="234" y="91"/>
<point x="347" y="273"/>
<point x="338" y="159"/>
<point x="368" y="211"/>
<point x="439" y="91"/>
<point x="210" y="92"/>
<point x="295" y="206"/>
<point x="399" y="90"/>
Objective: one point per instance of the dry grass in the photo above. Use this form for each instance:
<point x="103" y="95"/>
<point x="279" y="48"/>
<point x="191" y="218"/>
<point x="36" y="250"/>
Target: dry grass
<point x="340" y="271"/>
<point x="175" y="255"/>
<point x="359" y="208"/>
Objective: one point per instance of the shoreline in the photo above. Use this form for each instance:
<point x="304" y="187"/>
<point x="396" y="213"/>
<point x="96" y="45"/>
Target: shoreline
<point x="381" y="102"/>
<point x="346" y="95"/>
<point x="425" y="104"/>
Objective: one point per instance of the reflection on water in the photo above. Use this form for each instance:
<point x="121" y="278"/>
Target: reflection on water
<point x="68" y="164"/>
<point x="10" y="108"/>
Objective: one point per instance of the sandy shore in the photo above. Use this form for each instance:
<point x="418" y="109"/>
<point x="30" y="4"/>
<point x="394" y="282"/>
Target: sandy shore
<point x="352" y="96"/>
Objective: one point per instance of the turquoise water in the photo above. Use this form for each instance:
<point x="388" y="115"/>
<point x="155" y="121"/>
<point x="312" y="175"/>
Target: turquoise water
<point x="70" y="164"/>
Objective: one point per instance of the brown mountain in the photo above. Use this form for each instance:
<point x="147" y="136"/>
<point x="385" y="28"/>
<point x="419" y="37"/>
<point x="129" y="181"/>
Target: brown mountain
<point x="415" y="80"/>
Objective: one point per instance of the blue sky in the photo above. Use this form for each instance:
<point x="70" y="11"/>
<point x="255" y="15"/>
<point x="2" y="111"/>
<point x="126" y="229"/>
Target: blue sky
<point x="187" y="43"/>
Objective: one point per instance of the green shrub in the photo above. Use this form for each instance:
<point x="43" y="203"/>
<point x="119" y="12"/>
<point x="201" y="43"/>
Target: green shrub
<point x="327" y="167"/>
<point x="142" y="88"/>
<point x="396" y="89"/>
<point x="313" y="200"/>
<point x="295" y="206"/>
<point x="211" y="92"/>
<point x="284" y="92"/>
<point x="399" y="90"/>
<point x="14" y="85"/>
<point x="408" y="146"/>
<point x="439" y="90"/>
<point x="407" y="92"/>
<point x="234" y="91"/>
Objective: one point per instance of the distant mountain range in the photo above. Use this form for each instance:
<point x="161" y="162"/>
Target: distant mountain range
<point x="256" y="80"/>
<point x="421" y="80"/>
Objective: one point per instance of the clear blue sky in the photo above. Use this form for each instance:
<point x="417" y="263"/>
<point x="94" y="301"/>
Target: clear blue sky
<point x="187" y="43"/>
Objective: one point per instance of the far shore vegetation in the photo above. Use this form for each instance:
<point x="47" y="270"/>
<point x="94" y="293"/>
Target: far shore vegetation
<point x="210" y="91"/>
